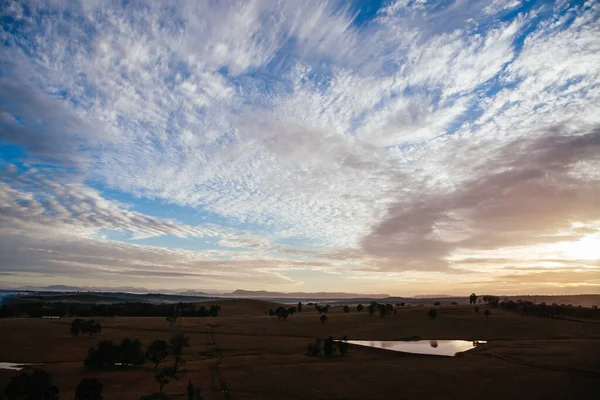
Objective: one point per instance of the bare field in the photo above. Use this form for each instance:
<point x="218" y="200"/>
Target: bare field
<point x="258" y="357"/>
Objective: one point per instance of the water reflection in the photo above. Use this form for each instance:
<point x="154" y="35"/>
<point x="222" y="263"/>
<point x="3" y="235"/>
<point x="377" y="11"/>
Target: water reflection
<point x="431" y="347"/>
<point x="13" y="366"/>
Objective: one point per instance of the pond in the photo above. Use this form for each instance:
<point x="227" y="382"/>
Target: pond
<point x="13" y="366"/>
<point x="431" y="347"/>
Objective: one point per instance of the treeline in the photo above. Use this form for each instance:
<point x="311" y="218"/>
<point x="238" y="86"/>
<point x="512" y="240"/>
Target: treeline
<point x="82" y="310"/>
<point x="550" y="310"/>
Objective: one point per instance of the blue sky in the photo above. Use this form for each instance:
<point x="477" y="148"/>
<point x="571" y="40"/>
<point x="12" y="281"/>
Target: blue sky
<point x="403" y="147"/>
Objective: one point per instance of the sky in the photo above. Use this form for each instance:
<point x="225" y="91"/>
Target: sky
<point x="404" y="147"/>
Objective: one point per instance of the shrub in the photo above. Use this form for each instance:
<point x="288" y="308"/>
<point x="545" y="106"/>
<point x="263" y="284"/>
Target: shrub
<point x="432" y="313"/>
<point x="323" y="318"/>
<point x="487" y="313"/>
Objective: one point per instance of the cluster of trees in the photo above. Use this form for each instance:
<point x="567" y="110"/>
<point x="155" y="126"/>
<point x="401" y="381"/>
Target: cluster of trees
<point x="130" y="353"/>
<point x="32" y="308"/>
<point x="322" y="309"/>
<point x="550" y="310"/>
<point x="383" y="309"/>
<point x="327" y="347"/>
<point x="90" y="327"/>
<point x="38" y="385"/>
<point x="282" y="312"/>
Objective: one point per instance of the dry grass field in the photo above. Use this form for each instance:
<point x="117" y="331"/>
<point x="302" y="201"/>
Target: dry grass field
<point x="254" y="356"/>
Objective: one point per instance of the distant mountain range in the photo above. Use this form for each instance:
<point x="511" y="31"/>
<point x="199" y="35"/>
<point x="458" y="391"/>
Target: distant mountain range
<point x="240" y="293"/>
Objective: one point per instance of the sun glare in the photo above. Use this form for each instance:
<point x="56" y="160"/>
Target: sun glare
<point x="587" y="248"/>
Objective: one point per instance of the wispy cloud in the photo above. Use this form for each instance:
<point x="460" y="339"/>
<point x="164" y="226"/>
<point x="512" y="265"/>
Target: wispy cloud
<point x="309" y="137"/>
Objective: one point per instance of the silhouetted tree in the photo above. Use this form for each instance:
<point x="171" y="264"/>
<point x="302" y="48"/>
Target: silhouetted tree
<point x="105" y="355"/>
<point x="473" y="298"/>
<point x="371" y="309"/>
<point x="177" y="343"/>
<point x="436" y="303"/>
<point x="76" y="326"/>
<point x="157" y="351"/>
<point x="360" y="308"/>
<point x="299" y="306"/>
<point x="382" y="310"/>
<point x="328" y="346"/>
<point x="281" y="313"/>
<point x="343" y="347"/>
<point x="291" y="310"/>
<point x="323" y="318"/>
<point x="432" y="313"/>
<point x="194" y="393"/>
<point x="346" y="309"/>
<point x="89" y="389"/>
<point x="486" y="312"/>
<point x="214" y="310"/>
<point x="476" y="309"/>
<point x="132" y="353"/>
<point x="165" y="375"/>
<point x="35" y="385"/>
<point x="91" y="327"/>
<point x="314" y="348"/>
<point x="491" y="300"/>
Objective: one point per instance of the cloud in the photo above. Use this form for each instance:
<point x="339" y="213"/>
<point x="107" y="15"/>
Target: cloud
<point x="519" y="197"/>
<point x="390" y="144"/>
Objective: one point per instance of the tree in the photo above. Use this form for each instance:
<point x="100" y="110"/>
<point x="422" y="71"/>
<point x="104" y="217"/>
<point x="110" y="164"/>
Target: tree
<point x="476" y="308"/>
<point x="105" y="355"/>
<point x="76" y="326"/>
<point x="491" y="300"/>
<point x="132" y="353"/>
<point x="432" y="313"/>
<point x="371" y="309"/>
<point x="436" y="303"/>
<point x="323" y="318"/>
<point x="157" y="351"/>
<point x="328" y="346"/>
<point x="214" y="310"/>
<point x="346" y="309"/>
<point x="343" y="347"/>
<point x="473" y="298"/>
<point x="291" y="310"/>
<point x="36" y="385"/>
<point x="360" y="308"/>
<point x="177" y="343"/>
<point x="193" y="393"/>
<point x="486" y="312"/>
<point x="89" y="389"/>
<point x="314" y="348"/>
<point x="165" y="375"/>
<point x="90" y="327"/>
<point x="281" y="313"/>
<point x="299" y="306"/>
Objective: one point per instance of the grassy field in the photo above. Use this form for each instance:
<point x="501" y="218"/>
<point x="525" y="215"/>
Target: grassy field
<point x="254" y="356"/>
